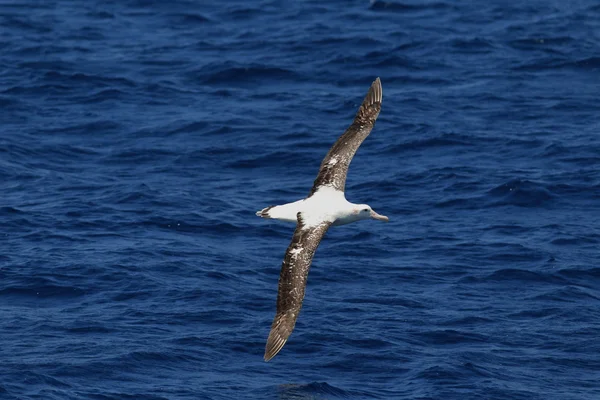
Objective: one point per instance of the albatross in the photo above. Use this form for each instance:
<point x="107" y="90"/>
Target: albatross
<point x="325" y="206"/>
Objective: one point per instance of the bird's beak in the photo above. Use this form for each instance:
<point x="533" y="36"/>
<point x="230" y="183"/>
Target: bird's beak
<point x="379" y="217"/>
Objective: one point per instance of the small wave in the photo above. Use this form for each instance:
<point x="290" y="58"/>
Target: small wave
<point x="90" y="329"/>
<point x="388" y="301"/>
<point x="314" y="390"/>
<point x="7" y="102"/>
<point x="41" y="291"/>
<point x="369" y="343"/>
<point x="36" y="90"/>
<point x="459" y="372"/>
<point x="10" y="210"/>
<point x="102" y="15"/>
<point x="582" y="274"/>
<point x="379" y="5"/>
<point x="79" y="77"/>
<point x="439" y="373"/>
<point x="591" y="64"/>
<point x="522" y="193"/>
<point x="376" y="59"/>
<point x="88" y="128"/>
<point x="567" y="294"/>
<point x="37" y="379"/>
<point x="519" y="275"/>
<point x="243" y="13"/>
<point x="467" y="203"/>
<point x="555" y="149"/>
<point x="132" y="294"/>
<point x="240" y="74"/>
<point x="450" y="336"/>
<point x="574" y="241"/>
<point x="508" y="229"/>
<point x="161" y="357"/>
<point x="138" y="156"/>
<point x="354" y="41"/>
<point x="467" y="321"/>
<point x="276" y="158"/>
<point x="443" y="140"/>
<point x="27" y="25"/>
<point x="190" y="18"/>
<point x="473" y="45"/>
<point x="540" y="42"/>
<point x="102" y="95"/>
<point x="535" y="314"/>
<point x="46" y="65"/>
<point x="189" y="127"/>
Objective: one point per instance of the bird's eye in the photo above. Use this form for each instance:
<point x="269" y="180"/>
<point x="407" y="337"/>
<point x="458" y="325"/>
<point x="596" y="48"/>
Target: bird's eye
<point x="365" y="209"/>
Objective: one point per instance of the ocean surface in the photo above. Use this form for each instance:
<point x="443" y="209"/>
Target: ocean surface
<point x="138" y="138"/>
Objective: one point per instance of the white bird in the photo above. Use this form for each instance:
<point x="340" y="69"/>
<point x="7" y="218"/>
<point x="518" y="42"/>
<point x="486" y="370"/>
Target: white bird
<point x="326" y="205"/>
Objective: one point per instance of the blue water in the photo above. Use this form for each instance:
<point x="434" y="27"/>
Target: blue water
<point x="139" y="137"/>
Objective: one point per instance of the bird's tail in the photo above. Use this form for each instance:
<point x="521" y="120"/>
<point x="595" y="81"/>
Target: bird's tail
<point x="265" y="212"/>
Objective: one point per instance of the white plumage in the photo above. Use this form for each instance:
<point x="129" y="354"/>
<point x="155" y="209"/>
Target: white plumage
<point x="327" y="204"/>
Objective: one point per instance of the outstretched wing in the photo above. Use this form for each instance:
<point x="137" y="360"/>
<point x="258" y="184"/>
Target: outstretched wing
<point x="334" y="167"/>
<point x="292" y="282"/>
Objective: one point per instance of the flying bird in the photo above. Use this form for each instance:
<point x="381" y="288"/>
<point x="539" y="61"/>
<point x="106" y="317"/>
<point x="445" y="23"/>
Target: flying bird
<point x="325" y="206"/>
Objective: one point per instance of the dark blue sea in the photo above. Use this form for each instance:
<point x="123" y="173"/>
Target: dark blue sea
<point x="139" y="137"/>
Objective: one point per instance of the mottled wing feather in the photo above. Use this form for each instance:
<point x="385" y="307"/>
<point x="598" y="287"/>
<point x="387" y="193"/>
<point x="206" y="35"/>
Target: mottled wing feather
<point x="334" y="167"/>
<point x="292" y="282"/>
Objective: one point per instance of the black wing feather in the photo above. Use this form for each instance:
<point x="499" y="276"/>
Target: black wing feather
<point x="334" y="167"/>
<point x="292" y="283"/>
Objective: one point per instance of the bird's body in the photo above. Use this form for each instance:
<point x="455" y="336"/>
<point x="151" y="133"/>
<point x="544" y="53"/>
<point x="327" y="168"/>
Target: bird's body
<point x="325" y="206"/>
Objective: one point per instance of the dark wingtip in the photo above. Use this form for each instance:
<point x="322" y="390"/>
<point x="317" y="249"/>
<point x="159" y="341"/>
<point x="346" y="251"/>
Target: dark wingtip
<point x="375" y="94"/>
<point x="281" y="329"/>
<point x="274" y="344"/>
<point x="369" y="109"/>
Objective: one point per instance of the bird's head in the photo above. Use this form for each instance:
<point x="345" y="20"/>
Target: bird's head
<point x="364" y="211"/>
